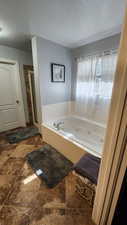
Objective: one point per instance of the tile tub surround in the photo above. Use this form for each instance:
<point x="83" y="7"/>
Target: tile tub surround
<point x="56" y="111"/>
<point x="98" y="115"/>
<point x="30" y="203"/>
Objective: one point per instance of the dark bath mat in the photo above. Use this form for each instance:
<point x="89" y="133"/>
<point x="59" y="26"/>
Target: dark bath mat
<point x="21" y="134"/>
<point x="50" y="165"/>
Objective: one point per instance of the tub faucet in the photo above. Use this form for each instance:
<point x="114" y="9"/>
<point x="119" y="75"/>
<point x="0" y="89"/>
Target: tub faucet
<point x="57" y="125"/>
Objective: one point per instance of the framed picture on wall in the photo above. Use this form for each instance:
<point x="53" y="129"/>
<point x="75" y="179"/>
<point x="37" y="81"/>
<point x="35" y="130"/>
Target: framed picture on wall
<point x="57" y="72"/>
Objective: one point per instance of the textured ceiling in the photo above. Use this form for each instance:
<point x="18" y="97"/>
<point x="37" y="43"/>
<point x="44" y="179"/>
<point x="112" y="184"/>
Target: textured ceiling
<point x="67" y="22"/>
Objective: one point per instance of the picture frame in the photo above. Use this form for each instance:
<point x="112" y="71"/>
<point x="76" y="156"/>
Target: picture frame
<point x="57" y="73"/>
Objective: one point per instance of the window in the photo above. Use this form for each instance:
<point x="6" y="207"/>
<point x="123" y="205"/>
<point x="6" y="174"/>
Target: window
<point x="99" y="68"/>
<point x="95" y="75"/>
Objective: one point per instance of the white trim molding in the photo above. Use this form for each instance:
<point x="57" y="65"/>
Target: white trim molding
<point x="116" y="131"/>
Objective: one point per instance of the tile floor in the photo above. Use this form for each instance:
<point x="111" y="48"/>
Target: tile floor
<point x="25" y="202"/>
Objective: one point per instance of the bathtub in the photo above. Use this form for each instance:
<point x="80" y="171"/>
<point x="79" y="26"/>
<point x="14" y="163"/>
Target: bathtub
<point x="75" y="136"/>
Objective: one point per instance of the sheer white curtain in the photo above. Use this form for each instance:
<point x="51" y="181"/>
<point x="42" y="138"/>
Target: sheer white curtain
<point x="108" y="72"/>
<point x="95" y="76"/>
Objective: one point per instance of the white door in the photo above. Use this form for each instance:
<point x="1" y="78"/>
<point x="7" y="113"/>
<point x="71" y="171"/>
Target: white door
<point x="11" y="108"/>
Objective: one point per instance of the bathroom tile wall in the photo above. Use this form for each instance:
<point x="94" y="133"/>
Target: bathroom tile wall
<point x="56" y="111"/>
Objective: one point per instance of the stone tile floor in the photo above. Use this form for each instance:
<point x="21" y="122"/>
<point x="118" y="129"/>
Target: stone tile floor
<point x="25" y="202"/>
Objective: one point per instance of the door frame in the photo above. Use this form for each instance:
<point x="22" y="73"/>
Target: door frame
<point x="113" y="163"/>
<point x="31" y="96"/>
<point x="26" y="69"/>
<point x="37" y="82"/>
<point x="21" y="110"/>
<point x="118" y="186"/>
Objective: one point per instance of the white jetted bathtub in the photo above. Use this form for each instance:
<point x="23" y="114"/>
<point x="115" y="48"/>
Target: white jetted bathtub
<point x="75" y="136"/>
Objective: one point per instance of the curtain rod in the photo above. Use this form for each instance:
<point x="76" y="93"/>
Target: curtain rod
<point x="99" y="53"/>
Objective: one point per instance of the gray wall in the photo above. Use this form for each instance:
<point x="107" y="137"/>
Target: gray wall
<point x="49" y="52"/>
<point x="23" y="58"/>
<point x="95" y="47"/>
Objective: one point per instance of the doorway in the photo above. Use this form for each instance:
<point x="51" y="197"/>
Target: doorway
<point x="31" y="94"/>
<point x="11" y="102"/>
<point x="33" y="97"/>
<point x="120" y="211"/>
